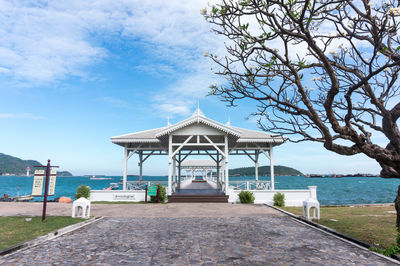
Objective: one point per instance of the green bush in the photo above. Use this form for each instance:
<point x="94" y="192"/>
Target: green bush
<point x="82" y="191"/>
<point x="246" y="197"/>
<point x="387" y="252"/>
<point x="163" y="194"/>
<point x="279" y="199"/>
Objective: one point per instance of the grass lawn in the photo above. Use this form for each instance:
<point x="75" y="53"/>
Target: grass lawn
<point x="15" y="229"/>
<point x="372" y="224"/>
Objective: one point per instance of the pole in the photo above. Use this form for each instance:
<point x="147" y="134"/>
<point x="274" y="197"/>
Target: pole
<point x="145" y="197"/>
<point x="46" y="190"/>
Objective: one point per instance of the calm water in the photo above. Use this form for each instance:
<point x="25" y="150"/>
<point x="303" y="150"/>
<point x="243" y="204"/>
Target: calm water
<point x="330" y="191"/>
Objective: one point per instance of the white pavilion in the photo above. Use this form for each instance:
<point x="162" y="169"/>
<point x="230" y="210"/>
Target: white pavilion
<point x="200" y="135"/>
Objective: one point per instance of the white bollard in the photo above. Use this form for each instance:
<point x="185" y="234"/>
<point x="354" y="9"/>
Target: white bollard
<point x="81" y="205"/>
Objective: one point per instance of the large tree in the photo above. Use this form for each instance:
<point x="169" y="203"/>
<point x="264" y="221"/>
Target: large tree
<point x="319" y="70"/>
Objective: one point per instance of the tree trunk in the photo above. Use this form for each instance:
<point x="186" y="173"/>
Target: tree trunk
<point x="388" y="172"/>
<point x="397" y="206"/>
<point x="392" y="170"/>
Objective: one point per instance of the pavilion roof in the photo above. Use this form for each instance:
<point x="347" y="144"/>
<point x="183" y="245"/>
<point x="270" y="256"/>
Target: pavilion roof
<point x="241" y="135"/>
<point x="199" y="119"/>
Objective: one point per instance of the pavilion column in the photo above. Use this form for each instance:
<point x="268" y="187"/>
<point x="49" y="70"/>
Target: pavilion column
<point x="125" y="167"/>
<point x="179" y="171"/>
<point x="226" y="164"/>
<point x="169" y="165"/>
<point x="256" y="164"/>
<point x="271" y="160"/>
<point x="140" y="166"/>
<point x="174" y="172"/>
<point x="223" y="170"/>
<point x="218" y="173"/>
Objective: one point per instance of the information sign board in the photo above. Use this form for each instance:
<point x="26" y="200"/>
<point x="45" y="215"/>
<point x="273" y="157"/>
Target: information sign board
<point x="152" y="191"/>
<point x="124" y="197"/>
<point x="38" y="183"/>
<point x="52" y="183"/>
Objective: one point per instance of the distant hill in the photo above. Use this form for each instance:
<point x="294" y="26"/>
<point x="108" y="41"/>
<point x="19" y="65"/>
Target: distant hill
<point x="64" y="173"/>
<point x="265" y="170"/>
<point x="16" y="166"/>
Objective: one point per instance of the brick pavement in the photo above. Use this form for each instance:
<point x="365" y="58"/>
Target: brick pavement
<point x="178" y="236"/>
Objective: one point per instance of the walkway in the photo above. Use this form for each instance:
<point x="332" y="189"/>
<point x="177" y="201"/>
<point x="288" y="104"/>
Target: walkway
<point x="198" y="234"/>
<point x="198" y="188"/>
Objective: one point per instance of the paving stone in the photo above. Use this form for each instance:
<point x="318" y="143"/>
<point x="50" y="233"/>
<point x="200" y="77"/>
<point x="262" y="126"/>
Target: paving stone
<point x="251" y="240"/>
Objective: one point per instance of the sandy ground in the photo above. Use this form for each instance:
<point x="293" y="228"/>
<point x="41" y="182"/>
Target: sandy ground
<point x="140" y="210"/>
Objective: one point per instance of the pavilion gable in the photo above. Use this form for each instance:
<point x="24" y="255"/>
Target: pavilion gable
<point x="199" y="123"/>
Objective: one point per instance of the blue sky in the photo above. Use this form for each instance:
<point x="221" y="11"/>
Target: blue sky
<point x="74" y="73"/>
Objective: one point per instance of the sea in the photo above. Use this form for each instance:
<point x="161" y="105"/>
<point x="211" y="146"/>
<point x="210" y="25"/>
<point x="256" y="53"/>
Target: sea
<point x="330" y="191"/>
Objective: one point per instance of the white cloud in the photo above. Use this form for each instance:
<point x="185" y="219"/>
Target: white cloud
<point x="44" y="42"/>
<point x="19" y="116"/>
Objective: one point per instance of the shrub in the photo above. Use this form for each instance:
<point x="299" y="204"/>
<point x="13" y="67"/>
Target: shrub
<point x="163" y="194"/>
<point x="82" y="191"/>
<point x="279" y="199"/>
<point x="387" y="252"/>
<point x="246" y="197"/>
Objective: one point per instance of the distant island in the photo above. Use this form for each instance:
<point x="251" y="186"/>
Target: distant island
<point x="10" y="165"/>
<point x="280" y="170"/>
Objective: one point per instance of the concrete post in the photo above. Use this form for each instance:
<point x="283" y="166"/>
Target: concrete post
<point x="226" y="163"/>
<point x="140" y="166"/>
<point x="125" y="168"/>
<point x="218" y="173"/>
<point x="179" y="171"/>
<point x="174" y="171"/>
<point x="256" y="165"/>
<point x="271" y="159"/>
<point x="169" y="165"/>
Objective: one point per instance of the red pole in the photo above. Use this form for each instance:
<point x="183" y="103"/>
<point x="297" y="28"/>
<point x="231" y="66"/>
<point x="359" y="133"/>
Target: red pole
<point x="46" y="188"/>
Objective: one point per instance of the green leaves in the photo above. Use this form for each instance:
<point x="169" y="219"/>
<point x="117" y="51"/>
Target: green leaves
<point x="302" y="64"/>
<point x="268" y="65"/>
<point x="243" y="45"/>
<point x="223" y="11"/>
<point x="245" y="26"/>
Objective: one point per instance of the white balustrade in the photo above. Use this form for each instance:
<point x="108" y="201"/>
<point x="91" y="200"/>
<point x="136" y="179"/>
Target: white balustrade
<point x="250" y="185"/>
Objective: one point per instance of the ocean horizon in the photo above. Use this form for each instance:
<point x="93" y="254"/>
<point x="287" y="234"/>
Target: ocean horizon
<point x="330" y="191"/>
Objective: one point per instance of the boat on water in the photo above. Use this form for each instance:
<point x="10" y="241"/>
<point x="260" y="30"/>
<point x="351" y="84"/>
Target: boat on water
<point x="113" y="186"/>
<point x="17" y="198"/>
<point x="100" y="178"/>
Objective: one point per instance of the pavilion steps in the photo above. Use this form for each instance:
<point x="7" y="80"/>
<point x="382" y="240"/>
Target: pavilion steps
<point x="198" y="198"/>
<point x="199" y="181"/>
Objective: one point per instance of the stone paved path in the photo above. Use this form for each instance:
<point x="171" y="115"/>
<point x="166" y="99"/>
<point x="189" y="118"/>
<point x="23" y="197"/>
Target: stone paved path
<point x="261" y="237"/>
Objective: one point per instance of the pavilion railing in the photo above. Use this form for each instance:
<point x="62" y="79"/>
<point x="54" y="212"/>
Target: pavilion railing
<point x="250" y="185"/>
<point x="136" y="185"/>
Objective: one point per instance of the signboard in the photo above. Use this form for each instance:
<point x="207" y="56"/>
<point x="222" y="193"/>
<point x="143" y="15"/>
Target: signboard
<point x="124" y="197"/>
<point x="52" y="182"/>
<point x="152" y="191"/>
<point x="38" y="183"/>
